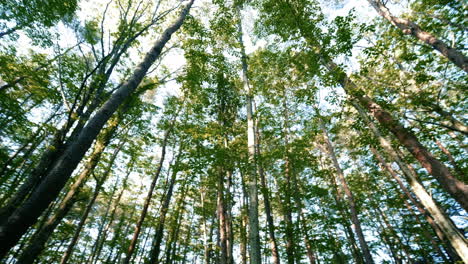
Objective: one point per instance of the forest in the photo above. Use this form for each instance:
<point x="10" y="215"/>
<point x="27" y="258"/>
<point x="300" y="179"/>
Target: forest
<point x="233" y="131"/>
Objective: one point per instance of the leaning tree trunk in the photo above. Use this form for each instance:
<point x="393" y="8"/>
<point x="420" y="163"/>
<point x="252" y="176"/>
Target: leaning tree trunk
<point x="339" y="197"/>
<point x="37" y="244"/>
<point x="410" y="28"/>
<point x="349" y="195"/>
<point x="106" y="218"/>
<point x="26" y="215"/>
<point x="457" y="189"/>
<point x="158" y="236"/>
<point x="147" y="202"/>
<point x="79" y="228"/>
<point x="408" y="195"/>
<point x="452" y="233"/>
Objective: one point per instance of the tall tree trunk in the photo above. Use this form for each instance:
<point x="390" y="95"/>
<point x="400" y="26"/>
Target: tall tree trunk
<point x="410" y="28"/>
<point x="244" y="215"/>
<point x="158" y="236"/>
<point x="254" y="234"/>
<point x="287" y="191"/>
<point x="229" y="224"/>
<point x="452" y="233"/>
<point x="39" y="240"/>
<point x="457" y="189"/>
<point x="176" y="223"/>
<point x="222" y="221"/>
<point x="82" y="222"/>
<point x="266" y="201"/>
<point x="349" y="195"/>
<point x="409" y="196"/>
<point x="339" y="200"/>
<point x="384" y="236"/>
<point x="26" y="215"/>
<point x="108" y="219"/>
<point x="302" y="221"/>
<point x="405" y="248"/>
<point x="147" y="202"/>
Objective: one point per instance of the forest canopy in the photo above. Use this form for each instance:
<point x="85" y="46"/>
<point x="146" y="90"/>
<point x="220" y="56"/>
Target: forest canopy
<point x="233" y="131"/>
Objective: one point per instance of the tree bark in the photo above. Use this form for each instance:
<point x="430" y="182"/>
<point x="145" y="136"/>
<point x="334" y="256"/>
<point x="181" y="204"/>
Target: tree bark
<point x="456" y="239"/>
<point x="158" y="236"/>
<point x="222" y="219"/>
<point x="147" y="202"/>
<point x="410" y="28"/>
<point x="266" y="201"/>
<point x="254" y="235"/>
<point x="109" y="219"/>
<point x="25" y="216"/>
<point x="37" y="244"/>
<point x="287" y="191"/>
<point x="349" y="195"/>
<point x="355" y="251"/>
<point x="457" y="189"/>
<point x="418" y="204"/>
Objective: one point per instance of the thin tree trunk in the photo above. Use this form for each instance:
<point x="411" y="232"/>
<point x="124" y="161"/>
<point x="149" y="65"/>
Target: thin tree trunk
<point x="178" y="216"/>
<point x="286" y="207"/>
<point x="254" y="235"/>
<point x="147" y="202"/>
<point x="349" y="195"/>
<point x="410" y="28"/>
<point x="26" y="215"/>
<point x="229" y="225"/>
<point x="243" y="220"/>
<point x="301" y="220"/>
<point x="392" y="230"/>
<point x="355" y="251"/>
<point x="427" y="234"/>
<point x="266" y="201"/>
<point x="222" y="221"/>
<point x="80" y="226"/>
<point x="457" y="168"/>
<point x="386" y="238"/>
<point x="102" y="225"/>
<point x="158" y="236"/>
